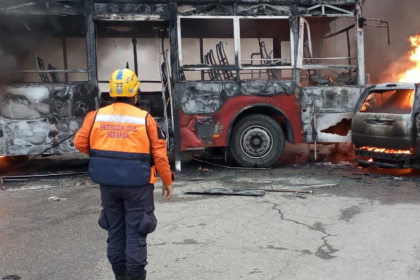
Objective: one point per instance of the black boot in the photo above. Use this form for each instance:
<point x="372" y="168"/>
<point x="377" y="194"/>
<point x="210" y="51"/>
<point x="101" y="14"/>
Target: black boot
<point x="121" y="275"/>
<point x="139" y="276"/>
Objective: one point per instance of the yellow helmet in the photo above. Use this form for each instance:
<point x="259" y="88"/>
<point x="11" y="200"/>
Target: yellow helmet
<point x="123" y="83"/>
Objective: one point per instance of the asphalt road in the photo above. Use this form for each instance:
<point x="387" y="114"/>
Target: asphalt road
<point x="363" y="228"/>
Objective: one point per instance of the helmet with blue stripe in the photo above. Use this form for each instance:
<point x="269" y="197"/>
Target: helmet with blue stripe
<point x="123" y="83"/>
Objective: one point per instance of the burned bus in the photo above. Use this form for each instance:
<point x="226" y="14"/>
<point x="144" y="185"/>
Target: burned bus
<point x="238" y="78"/>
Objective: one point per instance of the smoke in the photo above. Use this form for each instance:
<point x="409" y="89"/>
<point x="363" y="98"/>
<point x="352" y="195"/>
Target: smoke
<point x="383" y="60"/>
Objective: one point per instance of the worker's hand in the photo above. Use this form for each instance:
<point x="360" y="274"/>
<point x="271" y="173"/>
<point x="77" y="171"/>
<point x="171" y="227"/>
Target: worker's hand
<point x="168" y="190"/>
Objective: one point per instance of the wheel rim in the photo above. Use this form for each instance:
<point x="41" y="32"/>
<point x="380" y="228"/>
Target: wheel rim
<point x="256" y="141"/>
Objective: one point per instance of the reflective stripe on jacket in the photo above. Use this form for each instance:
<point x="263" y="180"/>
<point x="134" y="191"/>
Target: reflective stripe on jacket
<point x="120" y="147"/>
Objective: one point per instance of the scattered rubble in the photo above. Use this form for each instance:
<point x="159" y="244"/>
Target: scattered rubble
<point x="225" y="191"/>
<point x="341" y="164"/>
<point x="308" y="189"/>
<point x="203" y="170"/>
<point x="56" y="198"/>
<point x="11" y="277"/>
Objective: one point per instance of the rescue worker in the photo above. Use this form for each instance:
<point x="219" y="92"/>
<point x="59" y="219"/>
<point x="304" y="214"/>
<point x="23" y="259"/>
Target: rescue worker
<point x="126" y="148"/>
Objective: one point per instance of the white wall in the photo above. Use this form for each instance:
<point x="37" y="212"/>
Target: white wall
<point x="51" y="51"/>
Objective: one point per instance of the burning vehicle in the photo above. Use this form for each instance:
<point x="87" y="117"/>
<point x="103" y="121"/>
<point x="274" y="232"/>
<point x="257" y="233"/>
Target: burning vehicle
<point x="386" y="125"/>
<point x="386" y="122"/>
<point x="233" y="78"/>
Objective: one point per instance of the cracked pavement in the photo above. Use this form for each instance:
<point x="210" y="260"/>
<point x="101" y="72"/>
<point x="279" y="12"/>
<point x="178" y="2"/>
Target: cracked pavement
<point x="364" y="228"/>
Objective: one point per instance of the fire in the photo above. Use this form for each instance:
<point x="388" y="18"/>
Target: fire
<point x="386" y="151"/>
<point x="412" y="75"/>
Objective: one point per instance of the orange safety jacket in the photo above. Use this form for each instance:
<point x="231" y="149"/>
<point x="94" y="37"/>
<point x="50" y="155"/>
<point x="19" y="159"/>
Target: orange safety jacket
<point x="120" y="147"/>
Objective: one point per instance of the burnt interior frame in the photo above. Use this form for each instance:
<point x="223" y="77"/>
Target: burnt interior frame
<point x="196" y="31"/>
<point x="52" y="26"/>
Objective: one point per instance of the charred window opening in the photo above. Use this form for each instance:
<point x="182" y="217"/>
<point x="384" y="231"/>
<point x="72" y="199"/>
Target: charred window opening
<point x="133" y="45"/>
<point x="265" y="49"/>
<point x="235" y="48"/>
<point x="389" y="101"/>
<point x="142" y="46"/>
<point x="208" y="43"/>
<point x="327" y="52"/>
<point x="42" y="49"/>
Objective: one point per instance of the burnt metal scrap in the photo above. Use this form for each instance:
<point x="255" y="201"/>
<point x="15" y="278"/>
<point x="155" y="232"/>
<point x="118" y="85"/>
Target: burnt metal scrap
<point x="249" y="192"/>
<point x="223" y="191"/>
<point x="36" y="116"/>
<point x="330" y="105"/>
<point x="106" y="8"/>
<point x="130" y="10"/>
<point x="209" y="97"/>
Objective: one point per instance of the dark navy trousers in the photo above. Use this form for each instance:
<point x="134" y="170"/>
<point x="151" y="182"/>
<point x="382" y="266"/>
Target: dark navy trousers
<point x="128" y="217"/>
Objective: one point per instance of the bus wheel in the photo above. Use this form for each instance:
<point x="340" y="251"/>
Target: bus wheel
<point x="256" y="141"/>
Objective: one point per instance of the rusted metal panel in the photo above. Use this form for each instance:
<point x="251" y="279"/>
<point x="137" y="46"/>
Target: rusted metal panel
<point x="131" y="11"/>
<point x="336" y="102"/>
<point x="333" y="127"/>
<point x="261" y="7"/>
<point x="416" y="147"/>
<point x="208" y="108"/>
<point x="279" y="2"/>
<point x="204" y="97"/>
<point x="36" y="116"/>
<point x="266" y="9"/>
<point x="374" y="130"/>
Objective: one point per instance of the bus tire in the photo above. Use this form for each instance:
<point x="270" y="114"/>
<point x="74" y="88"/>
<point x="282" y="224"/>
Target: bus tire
<point x="256" y="141"/>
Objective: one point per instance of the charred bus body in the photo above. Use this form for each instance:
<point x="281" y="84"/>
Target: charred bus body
<point x="241" y="76"/>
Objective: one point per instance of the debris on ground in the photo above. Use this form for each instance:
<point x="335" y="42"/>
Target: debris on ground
<point x="11" y="277"/>
<point x="56" y="198"/>
<point x="222" y="191"/>
<point x="305" y="187"/>
<point x="341" y="164"/>
<point x="203" y="170"/>
<point x="244" y="192"/>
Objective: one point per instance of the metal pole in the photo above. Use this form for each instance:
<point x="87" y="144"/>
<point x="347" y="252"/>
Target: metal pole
<point x="165" y="113"/>
<point x="64" y="43"/>
<point x="201" y="57"/>
<point x="277" y="53"/>
<point x="237" y="40"/>
<point x="91" y="44"/>
<point x="294" y="25"/>
<point x="361" y="75"/>
<point x="173" y="37"/>
<point x="170" y="91"/>
<point x="348" y="49"/>
<point x="316" y="133"/>
<point x="136" y="66"/>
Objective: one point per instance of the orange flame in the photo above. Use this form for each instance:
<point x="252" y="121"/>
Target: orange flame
<point x="386" y="151"/>
<point x="412" y="75"/>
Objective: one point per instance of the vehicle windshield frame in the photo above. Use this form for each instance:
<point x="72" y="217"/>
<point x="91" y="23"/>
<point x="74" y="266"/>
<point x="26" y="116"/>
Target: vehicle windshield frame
<point x="387" y="101"/>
